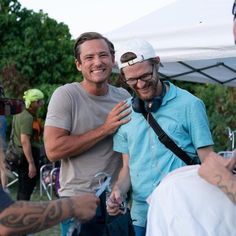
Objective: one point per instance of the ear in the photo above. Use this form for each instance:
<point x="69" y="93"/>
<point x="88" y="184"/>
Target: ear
<point x="78" y="65"/>
<point x="113" y="59"/>
<point x="157" y="59"/>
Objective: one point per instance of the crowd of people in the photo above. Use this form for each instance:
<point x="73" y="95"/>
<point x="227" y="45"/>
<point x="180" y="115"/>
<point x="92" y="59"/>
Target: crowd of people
<point x="93" y="127"/>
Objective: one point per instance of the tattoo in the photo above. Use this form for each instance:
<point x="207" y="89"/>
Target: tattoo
<point x="228" y="188"/>
<point x="70" y="204"/>
<point x="32" y="217"/>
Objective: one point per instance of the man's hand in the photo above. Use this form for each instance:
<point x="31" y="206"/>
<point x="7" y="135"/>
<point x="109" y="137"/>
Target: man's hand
<point x="32" y="170"/>
<point x="114" y="201"/>
<point x="118" y="116"/>
<point x="85" y="206"/>
<point x="215" y="167"/>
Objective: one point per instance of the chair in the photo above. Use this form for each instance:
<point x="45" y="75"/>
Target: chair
<point x="13" y="176"/>
<point x="49" y="180"/>
<point x="226" y="154"/>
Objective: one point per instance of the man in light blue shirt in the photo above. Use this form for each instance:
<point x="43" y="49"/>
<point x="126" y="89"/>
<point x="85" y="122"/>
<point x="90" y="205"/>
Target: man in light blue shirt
<point x="146" y="161"/>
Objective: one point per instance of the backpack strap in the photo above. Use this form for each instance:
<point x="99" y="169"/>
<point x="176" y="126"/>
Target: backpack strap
<point x="167" y="141"/>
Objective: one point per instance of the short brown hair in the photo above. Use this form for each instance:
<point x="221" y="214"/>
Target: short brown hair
<point x="90" y="36"/>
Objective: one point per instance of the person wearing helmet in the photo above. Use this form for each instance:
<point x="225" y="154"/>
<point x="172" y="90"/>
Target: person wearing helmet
<point x="27" y="132"/>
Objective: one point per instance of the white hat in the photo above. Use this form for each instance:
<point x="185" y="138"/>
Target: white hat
<point x="140" y="47"/>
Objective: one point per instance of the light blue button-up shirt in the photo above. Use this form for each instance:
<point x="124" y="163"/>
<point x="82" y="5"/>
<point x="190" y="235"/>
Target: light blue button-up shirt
<point x="183" y="117"/>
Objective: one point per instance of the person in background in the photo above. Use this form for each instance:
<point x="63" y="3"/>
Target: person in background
<point x="3" y="170"/>
<point x="146" y="161"/>
<point x="27" y="135"/>
<point x="81" y="120"/>
<point x="3" y="130"/>
<point x="234" y="21"/>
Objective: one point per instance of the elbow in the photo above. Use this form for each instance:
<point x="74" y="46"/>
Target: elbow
<point x="52" y="156"/>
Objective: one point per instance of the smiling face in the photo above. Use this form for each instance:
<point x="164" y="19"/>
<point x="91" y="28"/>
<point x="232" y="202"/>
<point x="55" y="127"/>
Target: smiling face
<point x="145" y="89"/>
<point x="96" y="61"/>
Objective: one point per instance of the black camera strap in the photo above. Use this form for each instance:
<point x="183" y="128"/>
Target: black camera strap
<point x="167" y="141"/>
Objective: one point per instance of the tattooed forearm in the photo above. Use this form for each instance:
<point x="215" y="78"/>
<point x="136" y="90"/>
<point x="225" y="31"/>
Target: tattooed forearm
<point x="39" y="216"/>
<point x="71" y="206"/>
<point x="228" y="187"/>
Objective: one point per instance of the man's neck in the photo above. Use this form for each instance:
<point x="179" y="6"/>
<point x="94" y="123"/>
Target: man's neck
<point x="98" y="89"/>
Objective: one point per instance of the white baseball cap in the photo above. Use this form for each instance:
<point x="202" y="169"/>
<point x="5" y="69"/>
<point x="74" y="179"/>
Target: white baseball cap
<point x="143" y="50"/>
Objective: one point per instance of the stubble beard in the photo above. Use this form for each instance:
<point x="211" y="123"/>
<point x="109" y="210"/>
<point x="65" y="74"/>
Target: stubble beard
<point x="151" y="94"/>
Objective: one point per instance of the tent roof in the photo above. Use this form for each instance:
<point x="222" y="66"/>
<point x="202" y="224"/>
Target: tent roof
<point x="194" y="40"/>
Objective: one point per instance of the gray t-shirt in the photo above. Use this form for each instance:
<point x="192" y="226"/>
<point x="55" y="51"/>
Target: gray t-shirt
<point x="73" y="109"/>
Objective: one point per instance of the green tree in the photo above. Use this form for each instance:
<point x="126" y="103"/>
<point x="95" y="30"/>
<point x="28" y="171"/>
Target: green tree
<point x="35" y="49"/>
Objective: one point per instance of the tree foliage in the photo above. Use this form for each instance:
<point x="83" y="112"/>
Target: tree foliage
<point x="35" y="49"/>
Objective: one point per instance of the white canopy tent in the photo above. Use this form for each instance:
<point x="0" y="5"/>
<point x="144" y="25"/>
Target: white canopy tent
<point x="194" y="40"/>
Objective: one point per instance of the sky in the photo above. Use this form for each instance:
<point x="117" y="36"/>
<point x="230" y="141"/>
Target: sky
<point x="94" y="15"/>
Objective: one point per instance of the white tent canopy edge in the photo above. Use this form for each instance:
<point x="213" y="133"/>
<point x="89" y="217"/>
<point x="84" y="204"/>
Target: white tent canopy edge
<point x="194" y="40"/>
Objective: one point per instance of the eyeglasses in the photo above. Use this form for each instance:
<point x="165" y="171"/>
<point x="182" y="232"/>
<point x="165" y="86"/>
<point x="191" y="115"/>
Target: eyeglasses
<point x="145" y="77"/>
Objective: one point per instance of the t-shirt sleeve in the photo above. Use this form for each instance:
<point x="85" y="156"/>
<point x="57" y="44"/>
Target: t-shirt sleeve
<point x="59" y="110"/>
<point x="26" y="125"/>
<point x="5" y="200"/>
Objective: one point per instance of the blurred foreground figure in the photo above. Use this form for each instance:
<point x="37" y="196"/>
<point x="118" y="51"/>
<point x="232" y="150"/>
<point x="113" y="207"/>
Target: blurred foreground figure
<point x="27" y="136"/>
<point x="15" y="216"/>
<point x="185" y="204"/>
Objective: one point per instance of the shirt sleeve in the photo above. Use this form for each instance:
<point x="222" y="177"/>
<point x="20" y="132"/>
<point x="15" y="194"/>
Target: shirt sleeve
<point x="59" y="110"/>
<point x="5" y="200"/>
<point x="120" y="143"/>
<point x="199" y="125"/>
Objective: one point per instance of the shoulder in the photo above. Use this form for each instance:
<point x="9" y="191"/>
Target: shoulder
<point x="67" y="88"/>
<point x="66" y="92"/>
<point x="24" y="115"/>
<point x="183" y="95"/>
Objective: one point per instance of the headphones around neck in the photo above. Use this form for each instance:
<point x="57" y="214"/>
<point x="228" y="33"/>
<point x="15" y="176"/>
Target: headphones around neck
<point x="153" y="105"/>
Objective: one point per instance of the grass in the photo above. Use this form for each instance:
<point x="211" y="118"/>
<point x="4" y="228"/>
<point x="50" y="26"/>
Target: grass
<point x="53" y="231"/>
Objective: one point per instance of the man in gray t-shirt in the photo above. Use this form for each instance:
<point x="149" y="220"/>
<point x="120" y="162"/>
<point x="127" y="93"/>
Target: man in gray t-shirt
<point x="81" y="119"/>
